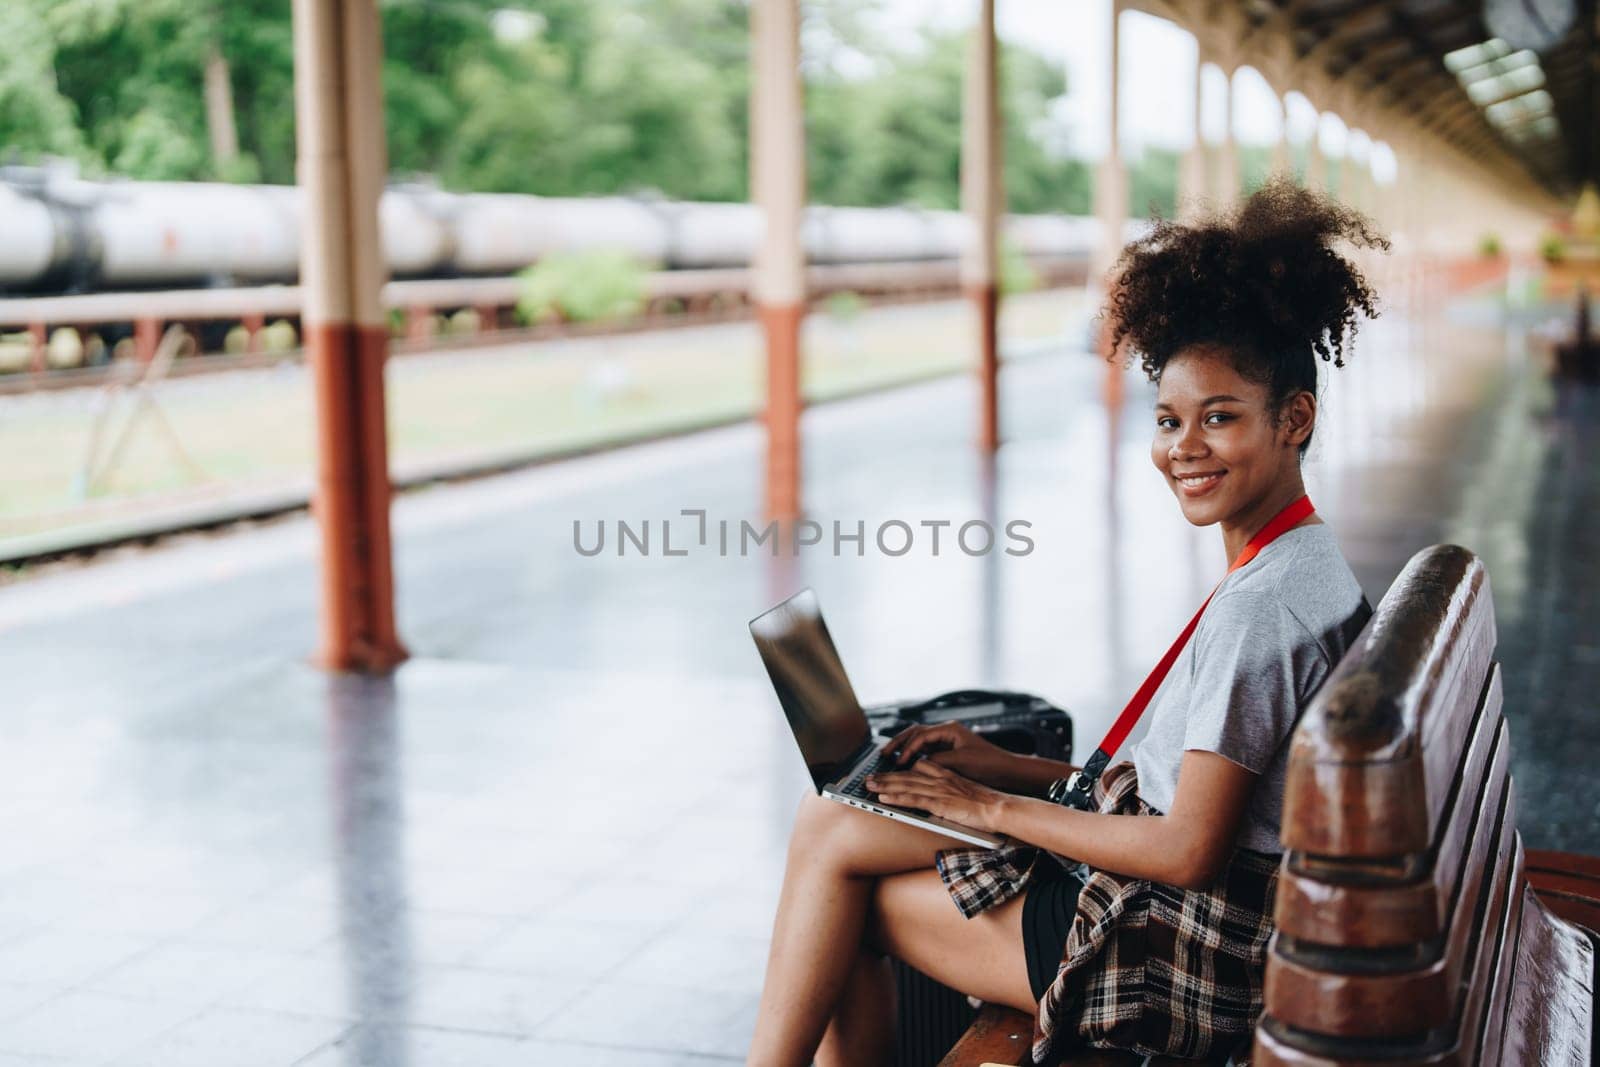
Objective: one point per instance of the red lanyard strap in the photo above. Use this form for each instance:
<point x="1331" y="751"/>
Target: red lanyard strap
<point x="1082" y="783"/>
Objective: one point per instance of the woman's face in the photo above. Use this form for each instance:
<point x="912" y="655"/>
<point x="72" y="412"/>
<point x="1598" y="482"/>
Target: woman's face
<point x="1216" y="441"/>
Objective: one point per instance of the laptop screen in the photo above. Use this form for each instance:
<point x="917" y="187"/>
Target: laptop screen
<point x="816" y="696"/>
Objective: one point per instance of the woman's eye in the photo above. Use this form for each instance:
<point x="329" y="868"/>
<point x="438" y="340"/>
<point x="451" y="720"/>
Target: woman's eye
<point x="1169" y="422"/>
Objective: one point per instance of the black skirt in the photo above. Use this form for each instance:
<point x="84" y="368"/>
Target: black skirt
<point x="1047" y="913"/>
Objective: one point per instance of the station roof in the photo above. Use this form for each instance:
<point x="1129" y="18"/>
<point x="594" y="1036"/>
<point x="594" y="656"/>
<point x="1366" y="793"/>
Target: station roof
<point x="1436" y="63"/>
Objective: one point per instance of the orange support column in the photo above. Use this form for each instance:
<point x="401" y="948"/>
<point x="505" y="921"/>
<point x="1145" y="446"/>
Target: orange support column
<point x="982" y="192"/>
<point x="38" y="341"/>
<point x="253" y="325"/>
<point x="146" y="338"/>
<point x="778" y="187"/>
<point x="780" y="328"/>
<point x="342" y="162"/>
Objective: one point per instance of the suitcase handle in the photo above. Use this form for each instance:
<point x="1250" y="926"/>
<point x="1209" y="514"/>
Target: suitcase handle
<point x="966" y="698"/>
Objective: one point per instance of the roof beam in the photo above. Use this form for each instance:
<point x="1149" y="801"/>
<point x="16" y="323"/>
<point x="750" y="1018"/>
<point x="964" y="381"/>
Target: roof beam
<point x="1367" y="19"/>
<point x="1406" y="74"/>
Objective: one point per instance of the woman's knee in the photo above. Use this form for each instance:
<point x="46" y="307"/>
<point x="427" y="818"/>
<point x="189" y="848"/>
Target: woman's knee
<point x="816" y="824"/>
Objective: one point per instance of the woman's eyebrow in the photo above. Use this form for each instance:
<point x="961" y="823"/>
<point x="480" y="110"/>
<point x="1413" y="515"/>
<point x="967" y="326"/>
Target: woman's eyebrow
<point x="1208" y="400"/>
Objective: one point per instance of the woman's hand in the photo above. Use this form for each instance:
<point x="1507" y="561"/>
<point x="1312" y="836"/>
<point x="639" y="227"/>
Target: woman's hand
<point x="939" y="791"/>
<point x="953" y="745"/>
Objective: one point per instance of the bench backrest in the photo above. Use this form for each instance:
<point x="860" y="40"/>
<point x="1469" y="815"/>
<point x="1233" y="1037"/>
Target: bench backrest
<point x="1406" y="927"/>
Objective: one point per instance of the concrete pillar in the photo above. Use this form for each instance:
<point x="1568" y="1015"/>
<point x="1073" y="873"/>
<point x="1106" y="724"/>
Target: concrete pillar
<point x="342" y="165"/>
<point x="1316" y="163"/>
<point x="1111" y="177"/>
<point x="1228" y="176"/>
<point x="778" y="188"/>
<point x="982" y="194"/>
<point x="1111" y="210"/>
<point x="1281" y="163"/>
<point x="1192" y="191"/>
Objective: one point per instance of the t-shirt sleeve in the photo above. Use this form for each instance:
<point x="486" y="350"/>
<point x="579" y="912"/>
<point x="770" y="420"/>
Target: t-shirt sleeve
<point x="1244" y="701"/>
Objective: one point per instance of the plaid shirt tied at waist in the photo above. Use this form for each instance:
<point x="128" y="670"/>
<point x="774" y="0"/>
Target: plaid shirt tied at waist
<point x="1148" y="967"/>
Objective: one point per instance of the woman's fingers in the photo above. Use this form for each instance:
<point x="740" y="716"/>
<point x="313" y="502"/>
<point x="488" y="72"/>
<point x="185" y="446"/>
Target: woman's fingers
<point x="912" y="797"/>
<point x="919" y="737"/>
<point x="914" y="737"/>
<point x="911" y="800"/>
<point x="899" y="777"/>
<point x="908" y="742"/>
<point x="925" y="775"/>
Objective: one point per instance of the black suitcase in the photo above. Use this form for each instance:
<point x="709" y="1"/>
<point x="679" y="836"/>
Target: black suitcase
<point x="1020" y="722"/>
<point x="932" y="1017"/>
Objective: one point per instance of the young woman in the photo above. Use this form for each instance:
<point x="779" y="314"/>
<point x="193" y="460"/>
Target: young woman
<point x="1142" y="924"/>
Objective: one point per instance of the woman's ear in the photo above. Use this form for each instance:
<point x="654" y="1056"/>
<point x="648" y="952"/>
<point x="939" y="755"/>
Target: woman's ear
<point x="1299" y="418"/>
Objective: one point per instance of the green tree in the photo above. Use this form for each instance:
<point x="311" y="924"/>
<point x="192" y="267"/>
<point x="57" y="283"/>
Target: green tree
<point x="894" y="136"/>
<point x="36" y="117"/>
<point x="560" y="97"/>
<point x="600" y="100"/>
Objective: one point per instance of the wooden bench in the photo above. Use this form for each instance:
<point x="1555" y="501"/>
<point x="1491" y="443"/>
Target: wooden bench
<point x="1408" y="926"/>
<point x="1412" y="925"/>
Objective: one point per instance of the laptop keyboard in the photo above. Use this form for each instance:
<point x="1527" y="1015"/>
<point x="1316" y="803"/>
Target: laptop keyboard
<point x="855" y="788"/>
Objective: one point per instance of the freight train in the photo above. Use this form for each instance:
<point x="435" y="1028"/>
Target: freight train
<point x="60" y="233"/>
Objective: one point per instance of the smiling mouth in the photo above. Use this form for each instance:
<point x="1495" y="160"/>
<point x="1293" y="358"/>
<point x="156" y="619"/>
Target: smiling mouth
<point x="1199" y="481"/>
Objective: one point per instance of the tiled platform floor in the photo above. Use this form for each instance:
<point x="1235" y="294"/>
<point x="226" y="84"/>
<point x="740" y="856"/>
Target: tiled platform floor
<point x="556" y="835"/>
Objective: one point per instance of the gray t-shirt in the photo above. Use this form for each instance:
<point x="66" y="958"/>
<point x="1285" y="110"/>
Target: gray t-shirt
<point x="1274" y="630"/>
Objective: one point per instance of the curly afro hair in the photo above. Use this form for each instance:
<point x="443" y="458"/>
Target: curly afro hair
<point x="1262" y="283"/>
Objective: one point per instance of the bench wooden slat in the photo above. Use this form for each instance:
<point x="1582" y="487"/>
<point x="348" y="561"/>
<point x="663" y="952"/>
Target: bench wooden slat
<point x="1571" y="863"/>
<point x="1580" y="911"/>
<point x="1004" y="1035"/>
<point x="1384" y="735"/>
<point x="998" y="1035"/>
<point x="1553" y="977"/>
<point x="1497" y="991"/>
<point x="1375" y="913"/>
<point x="1497" y="943"/>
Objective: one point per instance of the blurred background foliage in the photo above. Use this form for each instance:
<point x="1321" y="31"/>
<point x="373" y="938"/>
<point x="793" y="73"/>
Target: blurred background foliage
<point x="559" y="97"/>
<point x="591" y="285"/>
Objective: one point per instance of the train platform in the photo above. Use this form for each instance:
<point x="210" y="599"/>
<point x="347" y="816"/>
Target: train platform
<point x="556" y="834"/>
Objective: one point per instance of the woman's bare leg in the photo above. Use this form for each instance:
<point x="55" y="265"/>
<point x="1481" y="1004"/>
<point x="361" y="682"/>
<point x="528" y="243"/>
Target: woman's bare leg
<point x="911" y="919"/>
<point x="863" y="1025"/>
<point x="838" y="901"/>
<point x="835" y="855"/>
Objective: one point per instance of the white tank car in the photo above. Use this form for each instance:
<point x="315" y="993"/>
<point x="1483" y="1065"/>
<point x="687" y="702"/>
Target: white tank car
<point x="864" y="234"/>
<point x="1049" y="235"/>
<point x="167" y="233"/>
<point x="418" y="230"/>
<point x="951" y="230"/>
<point x="501" y="233"/>
<point x="29" y="248"/>
<point x="705" y="236"/>
<point x="58" y="231"/>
